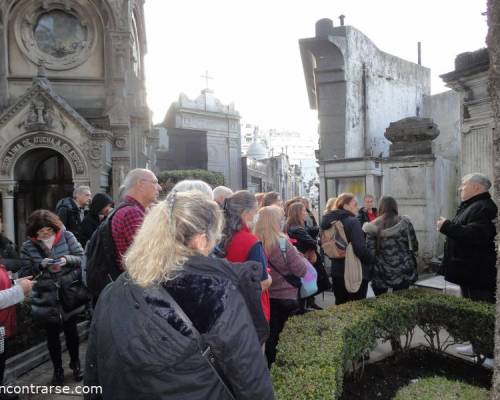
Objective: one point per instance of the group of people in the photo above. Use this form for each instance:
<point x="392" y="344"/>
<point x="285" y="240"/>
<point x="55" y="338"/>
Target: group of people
<point x="208" y="278"/>
<point x="384" y="242"/>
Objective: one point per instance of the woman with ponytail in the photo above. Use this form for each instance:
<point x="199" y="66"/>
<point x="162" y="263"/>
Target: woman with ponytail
<point x="143" y="342"/>
<point x="240" y="244"/>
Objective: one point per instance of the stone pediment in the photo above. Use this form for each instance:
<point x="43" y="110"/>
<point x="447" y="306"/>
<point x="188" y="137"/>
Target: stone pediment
<point x="42" y="109"/>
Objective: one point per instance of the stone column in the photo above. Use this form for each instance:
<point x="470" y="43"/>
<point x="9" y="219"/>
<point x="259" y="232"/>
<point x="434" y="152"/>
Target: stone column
<point x="8" y="211"/>
<point x="370" y="185"/>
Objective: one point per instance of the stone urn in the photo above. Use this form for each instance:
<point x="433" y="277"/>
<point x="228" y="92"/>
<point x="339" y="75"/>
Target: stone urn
<point x="411" y="136"/>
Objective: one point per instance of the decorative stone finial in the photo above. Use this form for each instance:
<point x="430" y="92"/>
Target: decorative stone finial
<point x="41" y="71"/>
<point x="411" y="136"/>
<point x="342" y="18"/>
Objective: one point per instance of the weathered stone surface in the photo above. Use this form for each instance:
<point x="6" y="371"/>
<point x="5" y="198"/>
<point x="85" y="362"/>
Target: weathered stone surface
<point x="411" y="136"/>
<point x="494" y="89"/>
<point x="88" y="105"/>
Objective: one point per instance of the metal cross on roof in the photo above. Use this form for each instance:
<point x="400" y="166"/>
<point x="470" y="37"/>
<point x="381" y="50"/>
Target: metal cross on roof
<point x="206" y="77"/>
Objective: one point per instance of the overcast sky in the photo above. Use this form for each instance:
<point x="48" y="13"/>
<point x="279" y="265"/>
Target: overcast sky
<point x="251" y="49"/>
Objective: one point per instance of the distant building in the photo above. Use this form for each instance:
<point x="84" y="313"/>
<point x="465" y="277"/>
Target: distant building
<point x="273" y="174"/>
<point x="202" y="133"/>
<point x="261" y="143"/>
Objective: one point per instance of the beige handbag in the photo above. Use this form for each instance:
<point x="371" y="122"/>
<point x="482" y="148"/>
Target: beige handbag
<point x="353" y="273"/>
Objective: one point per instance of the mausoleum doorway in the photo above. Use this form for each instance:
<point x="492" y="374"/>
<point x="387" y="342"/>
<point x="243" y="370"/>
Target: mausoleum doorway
<point x="43" y="177"/>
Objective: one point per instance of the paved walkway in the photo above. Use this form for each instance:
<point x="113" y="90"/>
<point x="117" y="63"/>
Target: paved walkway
<point x="41" y="376"/>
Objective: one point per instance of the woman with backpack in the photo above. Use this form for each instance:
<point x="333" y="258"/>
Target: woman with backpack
<point x="239" y="243"/>
<point x="392" y="240"/>
<point x="345" y="211"/>
<point x="284" y="260"/>
<point x="53" y="256"/>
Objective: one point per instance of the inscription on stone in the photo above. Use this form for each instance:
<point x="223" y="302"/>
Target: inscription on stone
<point x="43" y="141"/>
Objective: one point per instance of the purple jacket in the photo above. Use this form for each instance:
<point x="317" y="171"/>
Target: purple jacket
<point x="294" y="265"/>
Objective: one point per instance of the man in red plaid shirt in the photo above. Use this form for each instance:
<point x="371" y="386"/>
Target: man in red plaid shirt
<point x="140" y="191"/>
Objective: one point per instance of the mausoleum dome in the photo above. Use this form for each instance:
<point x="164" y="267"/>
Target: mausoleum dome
<point x="257" y="151"/>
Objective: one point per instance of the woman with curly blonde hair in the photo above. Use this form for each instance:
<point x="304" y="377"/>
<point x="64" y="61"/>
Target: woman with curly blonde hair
<point x="146" y="323"/>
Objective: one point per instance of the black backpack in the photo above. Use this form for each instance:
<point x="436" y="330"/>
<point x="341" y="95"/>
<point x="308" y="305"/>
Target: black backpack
<point x="102" y="266"/>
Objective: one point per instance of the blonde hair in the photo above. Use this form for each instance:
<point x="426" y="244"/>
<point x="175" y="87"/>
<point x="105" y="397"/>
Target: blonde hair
<point x="330" y="205"/>
<point x="162" y="244"/>
<point x="267" y="228"/>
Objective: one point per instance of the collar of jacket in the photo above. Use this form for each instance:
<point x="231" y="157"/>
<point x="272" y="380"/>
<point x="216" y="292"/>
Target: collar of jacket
<point x="340" y="214"/>
<point x="374" y="229"/>
<point x="477" y="197"/>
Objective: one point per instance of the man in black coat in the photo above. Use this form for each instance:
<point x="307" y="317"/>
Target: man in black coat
<point x="469" y="253"/>
<point x="71" y="211"/>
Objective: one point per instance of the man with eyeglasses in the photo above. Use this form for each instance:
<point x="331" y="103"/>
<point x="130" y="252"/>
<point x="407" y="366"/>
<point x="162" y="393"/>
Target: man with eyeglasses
<point x="140" y="190"/>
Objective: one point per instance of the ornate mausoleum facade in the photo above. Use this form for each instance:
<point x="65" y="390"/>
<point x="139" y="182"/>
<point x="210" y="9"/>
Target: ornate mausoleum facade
<point x="72" y="101"/>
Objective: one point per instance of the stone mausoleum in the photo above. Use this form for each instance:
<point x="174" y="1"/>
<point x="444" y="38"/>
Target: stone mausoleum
<point x="383" y="133"/>
<point x="203" y="133"/>
<point x="72" y="101"/>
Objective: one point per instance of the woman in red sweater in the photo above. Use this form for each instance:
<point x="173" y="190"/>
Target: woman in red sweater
<point x="239" y="243"/>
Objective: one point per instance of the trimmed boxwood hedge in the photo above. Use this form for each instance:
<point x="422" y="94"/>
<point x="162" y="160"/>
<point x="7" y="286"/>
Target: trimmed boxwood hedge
<point x="439" y="388"/>
<point x="316" y="349"/>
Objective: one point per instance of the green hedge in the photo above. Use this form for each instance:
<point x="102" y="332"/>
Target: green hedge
<point x="168" y="179"/>
<point x="439" y="388"/>
<point x="315" y="349"/>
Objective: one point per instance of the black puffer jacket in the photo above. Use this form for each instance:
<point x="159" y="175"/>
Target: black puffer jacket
<point x="354" y="234"/>
<point x="139" y="348"/>
<point x="394" y="249"/>
<point x="47" y="305"/>
<point x="469" y="252"/>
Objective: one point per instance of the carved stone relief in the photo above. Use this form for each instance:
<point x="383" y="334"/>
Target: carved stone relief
<point x="41" y="115"/>
<point x="63" y="34"/>
<point x="93" y="150"/>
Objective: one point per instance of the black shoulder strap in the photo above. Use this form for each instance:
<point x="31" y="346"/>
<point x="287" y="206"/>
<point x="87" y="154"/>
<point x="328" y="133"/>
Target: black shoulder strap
<point x="205" y="350"/>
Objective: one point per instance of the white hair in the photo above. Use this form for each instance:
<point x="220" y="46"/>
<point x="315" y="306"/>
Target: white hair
<point x="190" y="185"/>
<point x="476" y="177"/>
<point x="81" y="190"/>
<point x="222" y="191"/>
<point x="132" y="178"/>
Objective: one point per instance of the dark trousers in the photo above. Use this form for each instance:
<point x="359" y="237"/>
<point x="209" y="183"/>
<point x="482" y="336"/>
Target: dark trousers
<point x="342" y="295"/>
<point x="54" y="343"/>
<point x="3" y="359"/>
<point x="281" y="309"/>
<point x="478" y="294"/>
<point x="378" y="291"/>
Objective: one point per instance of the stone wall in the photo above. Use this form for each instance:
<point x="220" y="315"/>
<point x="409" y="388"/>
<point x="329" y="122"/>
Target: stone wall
<point x="445" y="110"/>
<point x="358" y="90"/>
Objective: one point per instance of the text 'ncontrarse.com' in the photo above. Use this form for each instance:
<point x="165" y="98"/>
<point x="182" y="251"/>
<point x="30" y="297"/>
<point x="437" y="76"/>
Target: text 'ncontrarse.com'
<point x="46" y="389"/>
